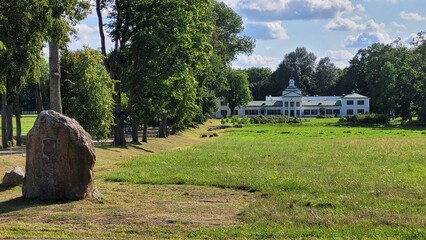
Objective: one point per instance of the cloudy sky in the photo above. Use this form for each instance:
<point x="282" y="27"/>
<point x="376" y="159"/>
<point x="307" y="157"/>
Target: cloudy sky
<point x="328" y="28"/>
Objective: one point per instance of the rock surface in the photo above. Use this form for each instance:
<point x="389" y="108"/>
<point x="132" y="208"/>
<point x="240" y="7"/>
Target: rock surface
<point x="60" y="160"/>
<point x="13" y="178"/>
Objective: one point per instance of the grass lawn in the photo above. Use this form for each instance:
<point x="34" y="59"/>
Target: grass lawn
<point x="314" y="180"/>
<point x="27" y="122"/>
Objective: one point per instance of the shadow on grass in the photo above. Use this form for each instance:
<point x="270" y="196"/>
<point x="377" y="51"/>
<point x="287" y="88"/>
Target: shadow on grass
<point x="20" y="203"/>
<point x="130" y="145"/>
<point x="138" y="146"/>
<point x="5" y="188"/>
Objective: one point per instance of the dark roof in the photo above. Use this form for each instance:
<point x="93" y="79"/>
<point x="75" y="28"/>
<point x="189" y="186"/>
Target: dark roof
<point x="265" y="104"/>
<point x="325" y="103"/>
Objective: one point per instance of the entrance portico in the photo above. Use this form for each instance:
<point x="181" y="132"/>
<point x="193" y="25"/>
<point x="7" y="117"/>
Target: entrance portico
<point x="292" y="99"/>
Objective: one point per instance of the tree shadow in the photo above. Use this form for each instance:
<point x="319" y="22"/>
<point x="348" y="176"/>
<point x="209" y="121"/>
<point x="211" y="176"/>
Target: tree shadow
<point x="5" y="188"/>
<point x="129" y="145"/>
<point x="139" y="146"/>
<point x="20" y="203"/>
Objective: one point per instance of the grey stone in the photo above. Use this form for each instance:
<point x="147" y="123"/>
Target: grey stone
<point x="13" y="178"/>
<point x="60" y="160"/>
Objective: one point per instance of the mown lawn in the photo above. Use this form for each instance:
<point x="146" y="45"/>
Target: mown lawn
<point x="27" y="122"/>
<point x="316" y="179"/>
<point x="313" y="180"/>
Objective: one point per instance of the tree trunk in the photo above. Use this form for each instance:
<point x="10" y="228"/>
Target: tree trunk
<point x="119" y="117"/>
<point x="145" y="132"/>
<point x="38" y="98"/>
<point x="54" y="77"/>
<point x="18" y="129"/>
<point x="4" y="120"/>
<point x="18" y="121"/>
<point x="162" y="129"/>
<point x="135" y="128"/>
<point x="9" y="120"/>
<point x="174" y="130"/>
<point x="232" y="111"/>
<point x="119" y="137"/>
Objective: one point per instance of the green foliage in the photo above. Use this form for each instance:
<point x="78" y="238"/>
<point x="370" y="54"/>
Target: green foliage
<point x="87" y="91"/>
<point x="258" y="79"/>
<point x="260" y="119"/>
<point x="299" y="65"/>
<point x="237" y="92"/>
<point x="371" y="118"/>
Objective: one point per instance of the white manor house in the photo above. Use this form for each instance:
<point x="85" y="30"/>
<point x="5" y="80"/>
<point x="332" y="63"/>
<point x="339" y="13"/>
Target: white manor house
<point x="293" y="104"/>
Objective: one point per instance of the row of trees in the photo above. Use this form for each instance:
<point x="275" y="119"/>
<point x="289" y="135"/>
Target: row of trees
<point x="312" y="77"/>
<point x="170" y="61"/>
<point x="392" y="75"/>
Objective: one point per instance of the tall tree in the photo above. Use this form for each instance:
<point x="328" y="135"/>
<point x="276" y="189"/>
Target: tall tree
<point x="298" y="65"/>
<point x="227" y="41"/>
<point x="258" y="79"/>
<point x="21" y="32"/>
<point x="164" y="65"/>
<point x="120" y="27"/>
<point x="325" y="77"/>
<point x="64" y="14"/>
<point x="237" y="93"/>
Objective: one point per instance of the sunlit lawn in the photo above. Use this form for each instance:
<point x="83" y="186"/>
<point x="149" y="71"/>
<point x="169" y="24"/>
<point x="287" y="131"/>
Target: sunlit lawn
<point x="312" y="180"/>
<point x="315" y="179"/>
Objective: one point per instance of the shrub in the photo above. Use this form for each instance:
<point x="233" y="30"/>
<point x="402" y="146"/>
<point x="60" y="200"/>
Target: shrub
<point x="260" y="119"/>
<point x="371" y="118"/>
<point x="234" y="120"/>
<point x="244" y="120"/>
<point x="222" y="120"/>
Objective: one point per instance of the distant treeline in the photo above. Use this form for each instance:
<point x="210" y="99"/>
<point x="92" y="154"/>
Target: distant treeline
<point x="392" y="75"/>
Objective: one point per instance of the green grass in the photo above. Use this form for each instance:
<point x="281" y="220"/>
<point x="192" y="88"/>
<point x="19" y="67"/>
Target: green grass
<point x="316" y="179"/>
<point x="27" y="122"/>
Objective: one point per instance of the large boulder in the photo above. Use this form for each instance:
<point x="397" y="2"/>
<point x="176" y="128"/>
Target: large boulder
<point x="60" y="160"/>
<point x="13" y="178"/>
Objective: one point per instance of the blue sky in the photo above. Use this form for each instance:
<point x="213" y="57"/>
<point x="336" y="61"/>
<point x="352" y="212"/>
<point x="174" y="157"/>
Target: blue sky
<point x="328" y="28"/>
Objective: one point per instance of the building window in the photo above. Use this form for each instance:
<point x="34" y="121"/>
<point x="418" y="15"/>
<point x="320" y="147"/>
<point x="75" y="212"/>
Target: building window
<point x="336" y="112"/>
<point x="224" y="113"/>
<point x="329" y="111"/>
<point x="236" y="112"/>
<point x="274" y="112"/>
<point x="360" y="102"/>
<point x="314" y="112"/>
<point x="297" y="104"/>
<point x="350" y="112"/>
<point x="297" y="112"/>
<point x="306" y="112"/>
<point x="291" y="104"/>
<point x="252" y="112"/>
<point x="286" y="112"/>
<point x="286" y="104"/>
<point x="360" y="111"/>
<point x="350" y="102"/>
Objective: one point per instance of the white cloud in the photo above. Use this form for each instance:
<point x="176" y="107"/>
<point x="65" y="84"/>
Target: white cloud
<point x="339" y="54"/>
<point x="412" y="16"/>
<point x="267" y="10"/>
<point x="88" y="36"/>
<point x="398" y="25"/>
<point x="244" y="61"/>
<point x="340" y="57"/>
<point x="341" y="24"/>
<point x="267" y="30"/>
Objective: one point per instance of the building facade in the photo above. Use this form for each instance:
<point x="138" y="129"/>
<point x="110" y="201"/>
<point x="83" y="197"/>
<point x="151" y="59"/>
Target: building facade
<point x="293" y="104"/>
